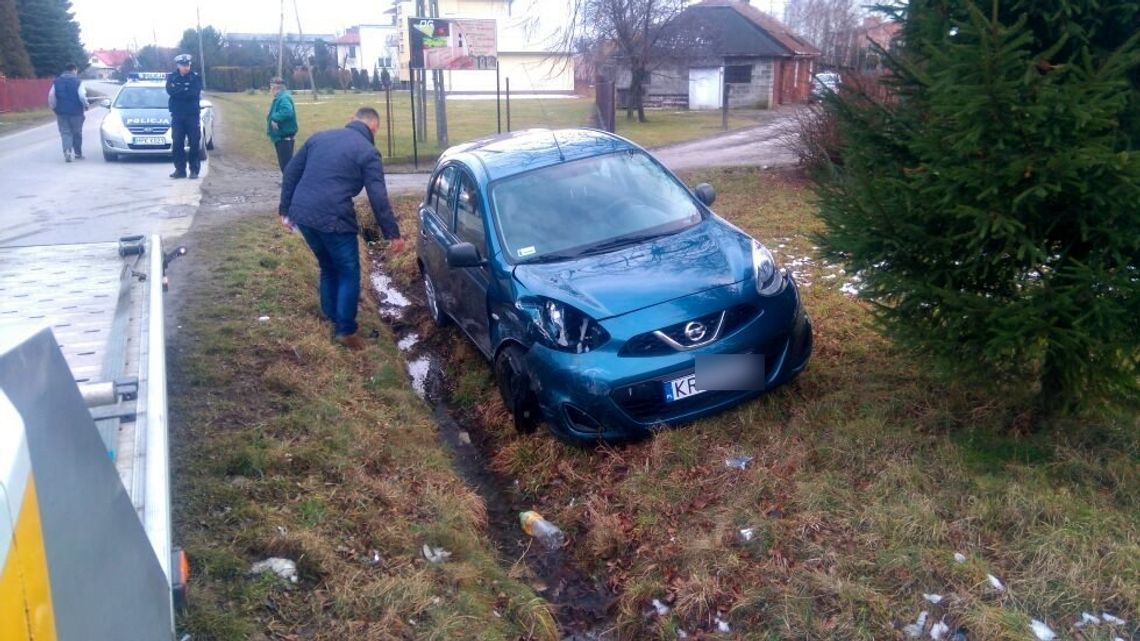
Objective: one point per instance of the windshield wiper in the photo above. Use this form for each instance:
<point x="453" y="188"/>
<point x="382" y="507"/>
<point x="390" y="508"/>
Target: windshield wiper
<point x="623" y="241"/>
<point x="551" y="258"/>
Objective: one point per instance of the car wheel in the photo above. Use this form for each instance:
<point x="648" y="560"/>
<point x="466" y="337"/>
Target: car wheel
<point x="210" y="143"/>
<point x="202" y="155"/>
<point x="438" y="316"/>
<point x="110" y="157"/>
<point x="513" y="380"/>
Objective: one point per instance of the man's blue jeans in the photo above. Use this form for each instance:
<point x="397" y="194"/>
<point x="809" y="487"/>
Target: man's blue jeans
<point x="338" y="254"/>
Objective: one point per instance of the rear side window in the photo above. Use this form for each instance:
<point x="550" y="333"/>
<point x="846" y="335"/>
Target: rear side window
<point x="440" y="192"/>
<point x="469" y="216"/>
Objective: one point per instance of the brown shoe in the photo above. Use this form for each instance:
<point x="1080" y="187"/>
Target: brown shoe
<point x="352" y="341"/>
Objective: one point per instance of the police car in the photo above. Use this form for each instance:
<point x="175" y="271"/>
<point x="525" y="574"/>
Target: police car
<point x="138" y="123"/>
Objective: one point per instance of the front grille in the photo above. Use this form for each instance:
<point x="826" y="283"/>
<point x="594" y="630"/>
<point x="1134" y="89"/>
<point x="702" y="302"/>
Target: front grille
<point x="146" y="130"/>
<point x="649" y="344"/>
<point x="646" y="401"/>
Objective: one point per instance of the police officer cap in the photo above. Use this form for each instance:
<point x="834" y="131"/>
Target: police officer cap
<point x="182" y="59"/>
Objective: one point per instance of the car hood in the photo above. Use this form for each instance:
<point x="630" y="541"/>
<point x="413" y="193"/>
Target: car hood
<point x="706" y="256"/>
<point x="145" y="117"/>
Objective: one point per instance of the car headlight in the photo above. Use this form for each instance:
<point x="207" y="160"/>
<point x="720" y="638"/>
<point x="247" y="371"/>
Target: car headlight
<point x="113" y="126"/>
<point x="562" y="327"/>
<point x="769" y="281"/>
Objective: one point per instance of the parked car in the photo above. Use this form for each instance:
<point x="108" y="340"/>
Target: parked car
<point x="138" y="123"/>
<point x="602" y="289"/>
<point x="823" y="84"/>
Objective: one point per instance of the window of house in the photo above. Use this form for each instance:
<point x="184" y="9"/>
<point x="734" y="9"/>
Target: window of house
<point x="351" y="51"/>
<point x="469" y="217"/>
<point x="741" y="74"/>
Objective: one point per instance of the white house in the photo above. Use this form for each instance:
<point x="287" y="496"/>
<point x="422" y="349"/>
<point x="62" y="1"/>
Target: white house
<point x="371" y="48"/>
<point x="530" y="51"/>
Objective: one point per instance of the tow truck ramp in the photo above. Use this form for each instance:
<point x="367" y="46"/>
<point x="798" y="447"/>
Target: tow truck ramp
<point x="85" y="535"/>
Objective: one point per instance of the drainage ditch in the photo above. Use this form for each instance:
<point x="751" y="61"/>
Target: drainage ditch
<point x="581" y="604"/>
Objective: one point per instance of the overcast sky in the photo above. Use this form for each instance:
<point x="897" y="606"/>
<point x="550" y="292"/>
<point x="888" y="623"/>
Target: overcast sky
<point x="119" y="24"/>
<point x="130" y="24"/>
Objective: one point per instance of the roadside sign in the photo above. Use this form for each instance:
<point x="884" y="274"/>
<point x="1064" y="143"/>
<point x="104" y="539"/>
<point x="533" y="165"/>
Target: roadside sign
<point x="453" y="44"/>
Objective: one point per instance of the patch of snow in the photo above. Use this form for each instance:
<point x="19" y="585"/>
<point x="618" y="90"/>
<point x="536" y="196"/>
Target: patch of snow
<point x="996" y="583"/>
<point x="1042" y="631"/>
<point x="283" y="568"/>
<point x="408" y="342"/>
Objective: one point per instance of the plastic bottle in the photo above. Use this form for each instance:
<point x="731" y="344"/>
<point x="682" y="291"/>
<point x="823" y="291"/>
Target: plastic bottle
<point x="546" y="532"/>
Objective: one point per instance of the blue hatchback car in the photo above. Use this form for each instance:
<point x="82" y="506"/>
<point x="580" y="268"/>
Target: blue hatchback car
<point x="608" y="296"/>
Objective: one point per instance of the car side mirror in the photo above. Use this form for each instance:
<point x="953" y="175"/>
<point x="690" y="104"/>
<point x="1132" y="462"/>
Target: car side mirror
<point x="464" y="255"/>
<point x="105" y="103"/>
<point x="706" y="193"/>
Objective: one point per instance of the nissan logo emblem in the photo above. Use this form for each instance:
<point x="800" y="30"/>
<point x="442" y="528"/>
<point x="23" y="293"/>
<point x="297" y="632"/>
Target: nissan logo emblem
<point x="695" y="331"/>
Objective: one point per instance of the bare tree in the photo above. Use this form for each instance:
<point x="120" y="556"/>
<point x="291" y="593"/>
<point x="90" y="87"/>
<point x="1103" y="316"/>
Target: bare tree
<point x="633" y="30"/>
<point x="831" y="25"/>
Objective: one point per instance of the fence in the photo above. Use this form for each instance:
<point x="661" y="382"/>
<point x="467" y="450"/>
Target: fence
<point x="22" y="94"/>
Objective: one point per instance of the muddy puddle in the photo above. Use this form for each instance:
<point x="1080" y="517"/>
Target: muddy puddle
<point x="581" y="604"/>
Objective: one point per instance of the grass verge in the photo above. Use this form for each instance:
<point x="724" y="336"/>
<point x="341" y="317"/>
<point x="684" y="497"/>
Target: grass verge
<point x="287" y="446"/>
<point x="869" y="473"/>
<point x="467" y="120"/>
<point x="13" y="121"/>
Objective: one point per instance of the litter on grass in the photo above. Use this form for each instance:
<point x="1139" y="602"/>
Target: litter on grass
<point x="722" y="625"/>
<point x="262" y="318"/>
<point x="959" y="557"/>
<point x="1042" y="631"/>
<point x="915" y="630"/>
<point x="933" y="598"/>
<point x="435" y="555"/>
<point x="1108" y="618"/>
<point x="739" y="462"/>
<point x="939" y="631"/>
<point x="283" y="568"/>
<point x="996" y="583"/>
<point x="747" y="533"/>
<point x="660" y="607"/>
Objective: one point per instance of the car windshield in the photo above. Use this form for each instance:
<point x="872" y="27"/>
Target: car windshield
<point x="141" y="98"/>
<point x="588" y="205"/>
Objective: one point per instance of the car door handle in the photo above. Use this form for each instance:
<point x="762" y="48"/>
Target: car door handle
<point x="423" y="233"/>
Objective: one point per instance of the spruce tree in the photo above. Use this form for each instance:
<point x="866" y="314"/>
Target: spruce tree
<point x="14" y="61"/>
<point x="992" y="200"/>
<point x="51" y="35"/>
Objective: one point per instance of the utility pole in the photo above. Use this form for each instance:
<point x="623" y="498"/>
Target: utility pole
<point x="313" y="64"/>
<point x="201" y="49"/>
<point x="419" y="86"/>
<point x="440" y="96"/>
<point x="281" y="44"/>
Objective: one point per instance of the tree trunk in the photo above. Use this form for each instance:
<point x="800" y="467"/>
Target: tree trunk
<point x="636" y="94"/>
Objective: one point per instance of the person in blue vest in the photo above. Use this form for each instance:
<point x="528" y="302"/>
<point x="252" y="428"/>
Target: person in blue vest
<point x="185" y="90"/>
<point x="68" y="99"/>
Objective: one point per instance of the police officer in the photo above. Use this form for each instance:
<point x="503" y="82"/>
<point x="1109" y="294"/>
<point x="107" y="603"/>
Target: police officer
<point x="185" y="90"/>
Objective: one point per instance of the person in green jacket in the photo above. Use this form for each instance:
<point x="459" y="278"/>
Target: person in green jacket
<point x="281" y="123"/>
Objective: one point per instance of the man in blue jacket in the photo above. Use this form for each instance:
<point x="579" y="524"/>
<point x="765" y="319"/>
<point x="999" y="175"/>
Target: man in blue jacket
<point x="316" y="199"/>
<point x="185" y="90"/>
<point x="68" y="100"/>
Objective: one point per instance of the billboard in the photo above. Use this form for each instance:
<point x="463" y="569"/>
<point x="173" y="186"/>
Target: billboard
<point x="452" y="43"/>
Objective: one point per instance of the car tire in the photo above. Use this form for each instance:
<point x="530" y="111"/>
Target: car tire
<point x="202" y="154"/>
<point x="210" y="144"/>
<point x="110" y="157"/>
<point x="513" y="380"/>
<point x="431" y="294"/>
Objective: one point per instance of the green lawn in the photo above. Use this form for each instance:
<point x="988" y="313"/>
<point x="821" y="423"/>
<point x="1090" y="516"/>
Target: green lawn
<point x="467" y="120"/>
<point x="17" y="120"/>
<point x="869" y="474"/>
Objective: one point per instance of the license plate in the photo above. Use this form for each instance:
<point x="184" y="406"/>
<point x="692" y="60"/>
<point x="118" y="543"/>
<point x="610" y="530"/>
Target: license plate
<point x="681" y="388"/>
<point x="149" y="140"/>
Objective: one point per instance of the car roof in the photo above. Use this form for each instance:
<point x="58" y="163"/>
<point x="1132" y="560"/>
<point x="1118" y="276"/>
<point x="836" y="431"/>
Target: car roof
<point x="513" y="153"/>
